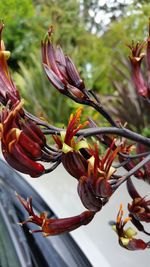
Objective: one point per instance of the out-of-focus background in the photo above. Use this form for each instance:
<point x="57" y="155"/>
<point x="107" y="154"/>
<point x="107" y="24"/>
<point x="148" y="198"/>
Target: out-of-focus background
<point x="95" y="34"/>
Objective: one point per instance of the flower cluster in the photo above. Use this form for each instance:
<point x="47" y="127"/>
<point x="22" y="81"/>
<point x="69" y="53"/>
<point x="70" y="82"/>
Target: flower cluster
<point x="127" y="236"/>
<point x="142" y="84"/>
<point x="90" y="154"/>
<point x="22" y="142"/>
<point x="60" y="69"/>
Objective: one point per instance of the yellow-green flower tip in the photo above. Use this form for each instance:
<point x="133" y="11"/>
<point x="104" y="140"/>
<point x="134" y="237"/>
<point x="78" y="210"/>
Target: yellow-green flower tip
<point x="66" y="148"/>
<point x="81" y="144"/>
<point x="114" y="228"/>
<point x="62" y="135"/>
<point x="124" y="241"/>
<point x="130" y="232"/>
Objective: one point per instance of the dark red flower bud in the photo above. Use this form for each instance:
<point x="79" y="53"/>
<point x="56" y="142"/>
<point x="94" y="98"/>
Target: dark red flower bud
<point x="87" y="196"/>
<point x="135" y="244"/>
<point x="55" y="226"/>
<point x="103" y="188"/>
<point x="73" y="74"/>
<point x="22" y="147"/>
<point x="74" y="163"/>
<point x="18" y="159"/>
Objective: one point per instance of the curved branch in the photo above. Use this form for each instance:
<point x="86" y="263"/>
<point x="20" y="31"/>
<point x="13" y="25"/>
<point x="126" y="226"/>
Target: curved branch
<point x="97" y="106"/>
<point x="118" y="131"/>
<point x="105" y="130"/>
<point x="132" y="171"/>
<point x="136" y="156"/>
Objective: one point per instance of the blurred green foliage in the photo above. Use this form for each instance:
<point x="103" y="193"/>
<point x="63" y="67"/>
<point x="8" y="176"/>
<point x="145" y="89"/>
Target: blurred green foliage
<point x="95" y="54"/>
<point x="17" y="17"/>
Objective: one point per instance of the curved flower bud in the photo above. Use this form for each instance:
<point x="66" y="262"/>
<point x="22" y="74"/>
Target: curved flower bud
<point x="54" y="226"/>
<point x="75" y="163"/>
<point x="19" y="147"/>
<point x="87" y="196"/>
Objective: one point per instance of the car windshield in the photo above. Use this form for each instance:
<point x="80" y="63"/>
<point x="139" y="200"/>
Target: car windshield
<point x="18" y="248"/>
<point x="8" y="255"/>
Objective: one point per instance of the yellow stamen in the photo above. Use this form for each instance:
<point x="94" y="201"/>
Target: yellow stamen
<point x="71" y="117"/>
<point x="127" y="220"/>
<point x="120" y="213"/>
<point x="66" y="148"/>
<point x="77" y="116"/>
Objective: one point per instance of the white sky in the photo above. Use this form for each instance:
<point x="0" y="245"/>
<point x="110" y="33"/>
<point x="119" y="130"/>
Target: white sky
<point x="101" y="16"/>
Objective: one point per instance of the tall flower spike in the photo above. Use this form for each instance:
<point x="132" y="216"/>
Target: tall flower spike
<point x="8" y="91"/>
<point x="148" y="50"/>
<point x="136" y="58"/>
<point x="126" y="236"/>
<point x="148" y="58"/>
<point x="60" y="69"/>
<point x="54" y="226"/>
